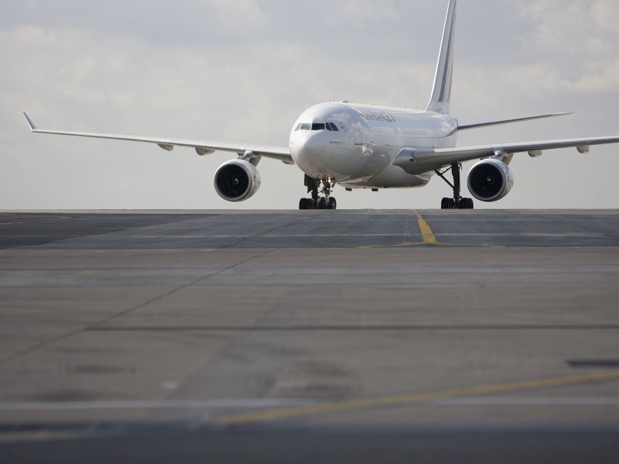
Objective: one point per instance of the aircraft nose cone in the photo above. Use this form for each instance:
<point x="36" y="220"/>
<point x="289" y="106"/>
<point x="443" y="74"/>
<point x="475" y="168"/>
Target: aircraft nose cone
<point x="307" y="145"/>
<point x="311" y="145"/>
<point x="309" y="153"/>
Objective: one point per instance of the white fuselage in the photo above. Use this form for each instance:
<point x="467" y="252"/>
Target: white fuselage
<point x="355" y="145"/>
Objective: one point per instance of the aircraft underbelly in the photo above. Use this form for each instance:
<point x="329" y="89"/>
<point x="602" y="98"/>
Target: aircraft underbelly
<point x="345" y="163"/>
<point x="392" y="177"/>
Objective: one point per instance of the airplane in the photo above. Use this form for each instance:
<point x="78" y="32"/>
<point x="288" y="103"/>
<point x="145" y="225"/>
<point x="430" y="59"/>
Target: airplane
<point x="374" y="147"/>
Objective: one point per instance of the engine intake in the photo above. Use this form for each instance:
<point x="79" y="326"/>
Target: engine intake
<point x="237" y="180"/>
<point x="490" y="180"/>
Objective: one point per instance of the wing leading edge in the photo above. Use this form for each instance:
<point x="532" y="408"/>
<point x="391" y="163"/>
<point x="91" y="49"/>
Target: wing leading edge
<point x="416" y="161"/>
<point x="201" y="147"/>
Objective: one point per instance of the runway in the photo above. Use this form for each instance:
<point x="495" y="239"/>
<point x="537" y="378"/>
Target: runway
<point x="495" y="332"/>
<point x="309" y="229"/>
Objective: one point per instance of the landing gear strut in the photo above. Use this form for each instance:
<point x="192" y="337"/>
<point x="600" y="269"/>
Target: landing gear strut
<point x="457" y="202"/>
<point x="318" y="202"/>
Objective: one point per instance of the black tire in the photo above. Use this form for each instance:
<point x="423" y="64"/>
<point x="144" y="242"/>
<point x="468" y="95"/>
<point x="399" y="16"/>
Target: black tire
<point x="322" y="204"/>
<point x="448" y="203"/>
<point x="305" y="203"/>
<point x="467" y="203"/>
<point x="331" y="203"/>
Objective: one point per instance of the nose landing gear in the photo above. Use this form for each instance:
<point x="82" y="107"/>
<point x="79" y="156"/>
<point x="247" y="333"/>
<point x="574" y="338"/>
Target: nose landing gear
<point x="318" y="202"/>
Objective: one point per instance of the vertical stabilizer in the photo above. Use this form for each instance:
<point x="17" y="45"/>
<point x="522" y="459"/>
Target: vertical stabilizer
<point x="441" y="93"/>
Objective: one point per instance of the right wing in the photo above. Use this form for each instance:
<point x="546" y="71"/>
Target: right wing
<point x="201" y="147"/>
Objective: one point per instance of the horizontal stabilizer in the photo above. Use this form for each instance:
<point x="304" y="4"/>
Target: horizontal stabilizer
<point x="510" y="121"/>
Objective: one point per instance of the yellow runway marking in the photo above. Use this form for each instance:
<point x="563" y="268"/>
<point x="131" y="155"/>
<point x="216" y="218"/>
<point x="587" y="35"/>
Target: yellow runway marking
<point x="399" y="400"/>
<point x="426" y="232"/>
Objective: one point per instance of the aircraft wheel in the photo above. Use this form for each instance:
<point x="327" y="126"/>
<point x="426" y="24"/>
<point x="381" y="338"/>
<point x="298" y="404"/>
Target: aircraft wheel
<point x="448" y="203"/>
<point x="322" y="203"/>
<point x="466" y="203"/>
<point x="306" y="203"/>
<point x="331" y="203"/>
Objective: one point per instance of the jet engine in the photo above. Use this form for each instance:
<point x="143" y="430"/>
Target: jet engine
<point x="490" y="180"/>
<point x="237" y="180"/>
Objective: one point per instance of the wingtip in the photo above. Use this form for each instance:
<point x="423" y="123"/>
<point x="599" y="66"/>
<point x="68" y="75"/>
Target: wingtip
<point x="33" y="127"/>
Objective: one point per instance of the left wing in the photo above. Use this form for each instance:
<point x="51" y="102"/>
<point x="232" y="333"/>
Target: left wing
<point x="417" y="161"/>
<point x="201" y="147"/>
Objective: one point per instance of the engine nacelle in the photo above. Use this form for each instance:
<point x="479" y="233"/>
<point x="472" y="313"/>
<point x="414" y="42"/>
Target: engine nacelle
<point x="490" y="180"/>
<point x="237" y="180"/>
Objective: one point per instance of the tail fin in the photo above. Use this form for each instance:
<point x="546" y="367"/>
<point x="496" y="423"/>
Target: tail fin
<point x="441" y="93"/>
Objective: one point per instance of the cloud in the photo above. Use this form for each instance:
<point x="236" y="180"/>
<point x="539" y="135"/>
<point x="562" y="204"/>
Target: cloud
<point x="198" y="24"/>
<point x="358" y="12"/>
<point x="605" y="14"/>
<point x="559" y="52"/>
<point x="574" y="27"/>
<point x="240" y="17"/>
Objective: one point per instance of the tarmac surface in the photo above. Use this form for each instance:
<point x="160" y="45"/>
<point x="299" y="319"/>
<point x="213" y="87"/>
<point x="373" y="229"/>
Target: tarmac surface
<point x="314" y="336"/>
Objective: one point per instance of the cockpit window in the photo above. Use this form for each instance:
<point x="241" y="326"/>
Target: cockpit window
<point x="317" y="126"/>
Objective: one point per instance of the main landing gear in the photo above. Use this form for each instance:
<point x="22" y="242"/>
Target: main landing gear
<point x="457" y="202"/>
<point x="318" y="202"/>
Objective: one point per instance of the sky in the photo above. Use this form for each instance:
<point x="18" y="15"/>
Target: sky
<point x="244" y="70"/>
